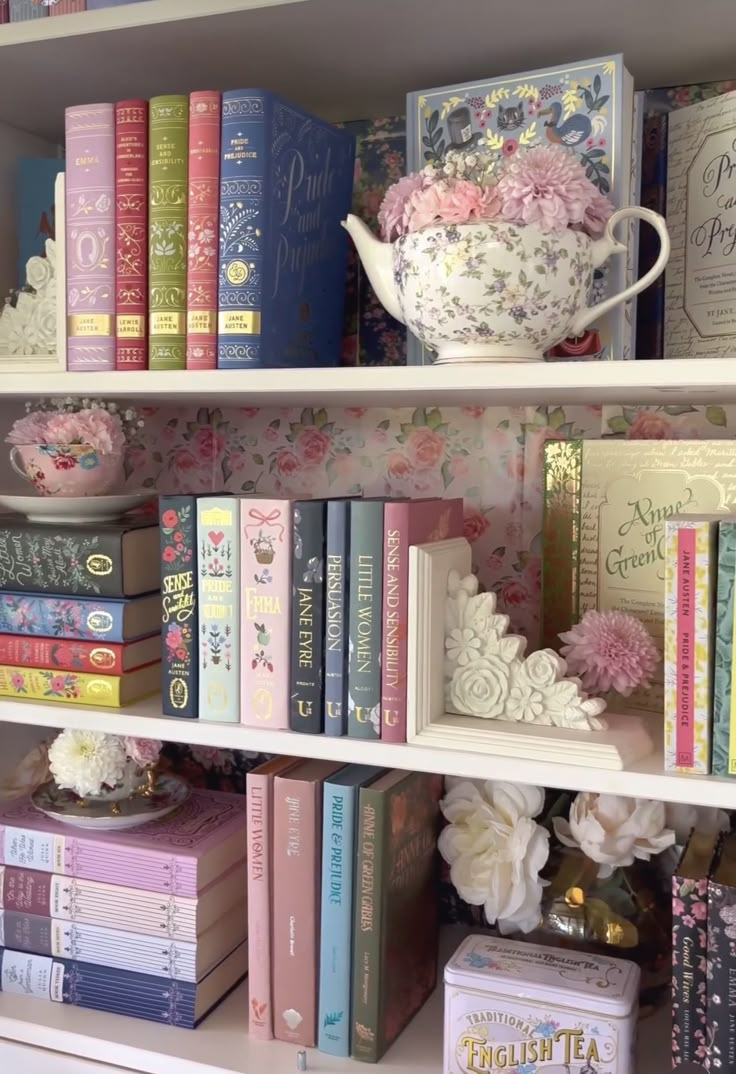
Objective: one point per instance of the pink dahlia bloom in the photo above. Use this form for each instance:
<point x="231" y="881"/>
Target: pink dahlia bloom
<point x="597" y="214"/>
<point x="452" y="201"/>
<point x="546" y="186"/>
<point x="392" y="216"/>
<point x="610" y="651"/>
<point x="94" y="426"/>
<point x="143" y="751"/>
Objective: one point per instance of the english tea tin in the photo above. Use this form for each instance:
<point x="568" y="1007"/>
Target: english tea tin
<point x="517" y="1007"/>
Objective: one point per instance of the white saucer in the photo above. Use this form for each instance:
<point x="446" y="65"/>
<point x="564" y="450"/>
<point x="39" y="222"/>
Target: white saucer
<point x="64" y="806"/>
<point x="75" y="508"/>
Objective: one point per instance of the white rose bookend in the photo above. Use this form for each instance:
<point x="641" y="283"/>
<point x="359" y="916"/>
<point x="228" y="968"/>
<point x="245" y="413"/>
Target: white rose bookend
<point x="28" y="318"/>
<point x="487" y="676"/>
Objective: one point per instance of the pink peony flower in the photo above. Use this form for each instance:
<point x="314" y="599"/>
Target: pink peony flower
<point x="29" y="430"/>
<point x="96" y="427"/>
<point x="392" y="216"/>
<point x="452" y="201"/>
<point x="143" y="751"/>
<point x="596" y="215"/>
<point x="546" y="186"/>
<point x="610" y="651"/>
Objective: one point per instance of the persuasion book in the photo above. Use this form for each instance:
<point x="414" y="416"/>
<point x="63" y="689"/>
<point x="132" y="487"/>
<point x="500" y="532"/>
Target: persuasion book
<point x="218" y="542"/>
<point x="337" y="568"/>
<point x="179" y="855"/>
<point x="724" y="709"/>
<point x="90" y="237"/>
<point x="80" y="688"/>
<point x="137" y="995"/>
<point x="80" y="618"/>
<point x="179" y="608"/>
<point x="205" y="107"/>
<point x="87" y="656"/>
<point x="307" y="617"/>
<point x="131" y="234"/>
<point x="364" y="618"/>
<point x="286" y="182"/>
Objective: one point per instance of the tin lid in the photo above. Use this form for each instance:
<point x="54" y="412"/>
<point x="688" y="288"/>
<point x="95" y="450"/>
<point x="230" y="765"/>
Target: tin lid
<point x="550" y="974"/>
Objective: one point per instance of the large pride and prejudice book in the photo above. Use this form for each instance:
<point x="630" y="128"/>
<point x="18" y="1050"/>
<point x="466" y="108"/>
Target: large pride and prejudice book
<point x="724" y="710"/>
<point x="266" y="559"/>
<point x="395" y="930"/>
<point x="112" y="559"/>
<point x="365" y="618"/>
<point x="167" y="231"/>
<point x="80" y="618"/>
<point x="218" y="541"/>
<point x="138" y="995"/>
<point x="205" y="109"/>
<point x="286" y="182"/>
<point x="85" y="656"/>
<point x="339" y="814"/>
<point x="80" y="688"/>
<point x="131" y="234"/>
<point x="337" y="581"/>
<point x="90" y="237"/>
<point x="307" y="617"/>
<point x="179" y="606"/>
<point x="720" y="1018"/>
<point x="181" y="854"/>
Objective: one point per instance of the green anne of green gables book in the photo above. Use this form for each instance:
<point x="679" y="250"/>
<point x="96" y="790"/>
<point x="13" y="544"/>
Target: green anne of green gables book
<point x="167" y="232"/>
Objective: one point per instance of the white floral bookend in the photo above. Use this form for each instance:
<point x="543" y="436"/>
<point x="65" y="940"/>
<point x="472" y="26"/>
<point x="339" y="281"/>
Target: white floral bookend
<point x="28" y="320"/>
<point x="487" y="676"/>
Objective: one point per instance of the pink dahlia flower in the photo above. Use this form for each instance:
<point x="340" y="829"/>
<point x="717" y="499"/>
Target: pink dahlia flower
<point x="392" y="216"/>
<point x="610" y="651"/>
<point x="546" y="186"/>
<point x="143" y="751"/>
<point x="597" y="214"/>
<point x="452" y="201"/>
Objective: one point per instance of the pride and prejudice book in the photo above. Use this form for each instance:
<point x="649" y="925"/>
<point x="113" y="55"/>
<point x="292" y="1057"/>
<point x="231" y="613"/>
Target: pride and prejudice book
<point x="84" y="656"/>
<point x="79" y="618"/>
<point x="286" y="183"/>
<point x="218" y="541"/>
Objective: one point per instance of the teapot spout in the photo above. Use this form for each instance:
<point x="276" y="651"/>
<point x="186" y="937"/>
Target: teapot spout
<point x="377" y="258"/>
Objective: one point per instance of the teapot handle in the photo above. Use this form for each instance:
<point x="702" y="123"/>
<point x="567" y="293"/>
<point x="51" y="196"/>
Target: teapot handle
<point x="607" y="245"/>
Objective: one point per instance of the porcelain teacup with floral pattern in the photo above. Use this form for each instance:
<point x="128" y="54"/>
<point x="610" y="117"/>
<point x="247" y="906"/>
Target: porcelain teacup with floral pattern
<point x="67" y="469"/>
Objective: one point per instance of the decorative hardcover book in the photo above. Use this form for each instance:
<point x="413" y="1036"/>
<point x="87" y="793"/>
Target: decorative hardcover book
<point x="218" y="541"/>
<point x="337" y="568"/>
<point x="587" y="107"/>
<point x="720" y="1020"/>
<point x="689" y="617"/>
<point x="405" y="524"/>
<point x="105" y="560"/>
<point x="136" y="910"/>
<point x="74" y="688"/>
<point x="137" y="995"/>
<point x="85" y="656"/>
<point x="90" y="237"/>
<point x="606" y="504"/>
<point x="35" y="182"/>
<point x="179" y="612"/>
<point x="67" y="7"/>
<point x="259" y="783"/>
<point x="22" y="10"/>
<point x="307" y="617"/>
<point x="131" y="234"/>
<point x="286" y="183"/>
<point x="395" y="932"/>
<point x="4" y="11"/>
<point x="205" y="109"/>
<point x="689" y="928"/>
<point x="181" y="854"/>
<point x="266" y="556"/>
<point x="179" y="960"/>
<point x="167" y="232"/>
<point x="364" y="618"/>
<point x="650" y="303"/>
<point x="80" y="618"/>
<point x="339" y="813"/>
<point x="699" y="320"/>
<point x="724" y="709"/>
<point x="297" y="859"/>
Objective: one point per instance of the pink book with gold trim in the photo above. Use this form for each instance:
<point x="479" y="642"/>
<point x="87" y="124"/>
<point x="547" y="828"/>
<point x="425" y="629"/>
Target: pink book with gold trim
<point x="205" y="108"/>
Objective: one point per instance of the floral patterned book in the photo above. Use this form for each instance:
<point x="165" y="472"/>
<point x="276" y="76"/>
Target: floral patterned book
<point x="75" y="688"/>
<point x="721" y="963"/>
<point x="218" y="541"/>
<point x="179" y="608"/>
<point x="78" y="618"/>
<point x="724" y="712"/>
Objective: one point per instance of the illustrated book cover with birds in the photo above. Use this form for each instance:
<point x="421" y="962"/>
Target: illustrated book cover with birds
<point x="588" y="107"/>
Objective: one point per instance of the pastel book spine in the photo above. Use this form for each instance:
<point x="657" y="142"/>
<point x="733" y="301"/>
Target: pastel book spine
<point x="4" y="11"/>
<point x="205" y="108"/>
<point x="73" y="618"/>
<point x="364" y="618"/>
<point x="218" y="542"/>
<point x="286" y="182"/>
<point x="405" y="524"/>
<point x="84" y="656"/>
<point x="266" y="552"/>
<point x="167" y="232"/>
<point x="179" y="606"/>
<point x="22" y="10"/>
<point x="690" y="565"/>
<point x="724" y="708"/>
<point x="337" y="567"/>
<point x="131" y="234"/>
<point x="307" y="617"/>
<point x="68" y="7"/>
<point x="90" y="237"/>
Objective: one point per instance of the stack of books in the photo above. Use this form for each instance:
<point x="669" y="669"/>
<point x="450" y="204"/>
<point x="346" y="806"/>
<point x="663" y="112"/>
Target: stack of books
<point x="151" y="923"/>
<point x="80" y="612"/>
<point x="22" y="10"/>
<point x="342" y="903"/>
<point x="292" y="614"/>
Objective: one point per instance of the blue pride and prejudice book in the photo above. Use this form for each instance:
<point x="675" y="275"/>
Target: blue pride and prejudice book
<point x="339" y="825"/>
<point x="286" y="183"/>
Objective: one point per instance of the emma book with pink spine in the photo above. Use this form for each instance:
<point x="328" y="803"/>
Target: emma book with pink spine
<point x="266" y="557"/>
<point x="259" y="785"/>
<point x="131" y="234"/>
<point x="405" y="523"/>
<point x="180" y="855"/>
<point x="205" y="111"/>
<point x="90" y="237"/>
<point x="297" y="862"/>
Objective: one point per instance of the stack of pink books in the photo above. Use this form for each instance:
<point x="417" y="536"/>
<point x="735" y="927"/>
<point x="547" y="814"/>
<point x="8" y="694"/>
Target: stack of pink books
<point x="110" y="920"/>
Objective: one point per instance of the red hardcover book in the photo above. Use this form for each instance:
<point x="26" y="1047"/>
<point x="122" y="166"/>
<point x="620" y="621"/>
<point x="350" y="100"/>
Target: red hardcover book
<point x="202" y="228"/>
<point x="131" y="234"/>
<point x="83" y="656"/>
<point x="67" y="7"/>
<point x="4" y="11"/>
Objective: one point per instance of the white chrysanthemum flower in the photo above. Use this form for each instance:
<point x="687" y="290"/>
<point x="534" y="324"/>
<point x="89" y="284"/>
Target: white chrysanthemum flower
<point x="85" y="761"/>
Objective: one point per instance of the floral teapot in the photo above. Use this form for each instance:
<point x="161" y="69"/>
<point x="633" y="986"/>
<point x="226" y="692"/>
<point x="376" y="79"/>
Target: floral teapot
<point x="493" y="291"/>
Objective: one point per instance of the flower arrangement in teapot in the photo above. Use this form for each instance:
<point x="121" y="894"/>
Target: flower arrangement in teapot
<point x="489" y="259"/>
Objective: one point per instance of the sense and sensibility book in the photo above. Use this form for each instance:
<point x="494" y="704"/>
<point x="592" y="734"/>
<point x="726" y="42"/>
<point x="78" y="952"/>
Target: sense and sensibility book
<point x="179" y="605"/>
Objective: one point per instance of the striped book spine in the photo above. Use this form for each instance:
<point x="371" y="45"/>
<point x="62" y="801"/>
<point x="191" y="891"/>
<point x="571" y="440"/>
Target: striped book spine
<point x="167" y="232"/>
<point x="22" y="10"/>
<point x="90" y="237"/>
<point x="131" y="234"/>
<point x="68" y="7"/>
<point x="205" y="108"/>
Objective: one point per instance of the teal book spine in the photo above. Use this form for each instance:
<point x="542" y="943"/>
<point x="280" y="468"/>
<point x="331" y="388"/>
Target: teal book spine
<point x="218" y="541"/>
<point x="364" y="619"/>
<point x="724" y="746"/>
